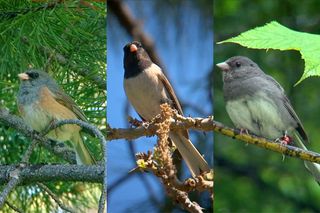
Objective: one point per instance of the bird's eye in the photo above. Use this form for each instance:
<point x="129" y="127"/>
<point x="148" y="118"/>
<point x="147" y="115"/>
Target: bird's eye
<point x="251" y="65"/>
<point x="238" y="64"/>
<point x="33" y="75"/>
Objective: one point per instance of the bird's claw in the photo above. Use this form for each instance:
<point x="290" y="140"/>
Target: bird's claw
<point x="284" y="140"/>
<point x="243" y="131"/>
<point x="135" y="122"/>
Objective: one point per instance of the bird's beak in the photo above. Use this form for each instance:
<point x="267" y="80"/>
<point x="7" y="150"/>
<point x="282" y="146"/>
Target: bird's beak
<point x="23" y="76"/>
<point x="133" y="48"/>
<point x="224" y="66"/>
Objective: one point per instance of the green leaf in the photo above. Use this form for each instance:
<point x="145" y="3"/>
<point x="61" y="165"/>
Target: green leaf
<point x="276" y="36"/>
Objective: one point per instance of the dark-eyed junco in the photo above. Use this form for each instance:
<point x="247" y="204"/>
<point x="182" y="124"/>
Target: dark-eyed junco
<point x="41" y="101"/>
<point x="147" y="88"/>
<point x="256" y="102"/>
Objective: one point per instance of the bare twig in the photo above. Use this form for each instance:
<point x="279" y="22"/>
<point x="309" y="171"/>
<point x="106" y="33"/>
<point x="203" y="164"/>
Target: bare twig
<point x="27" y="154"/>
<point x="183" y="199"/>
<point x="59" y="149"/>
<point x="13" y="207"/>
<point x="102" y="202"/>
<point x="13" y="182"/>
<point x="125" y="177"/>
<point x="55" y="198"/>
<point x="19" y="125"/>
<point x="15" y="174"/>
<point x="209" y="124"/>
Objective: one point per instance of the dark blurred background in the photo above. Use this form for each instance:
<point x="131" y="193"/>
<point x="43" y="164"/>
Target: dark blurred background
<point x="248" y="178"/>
<point x="178" y="36"/>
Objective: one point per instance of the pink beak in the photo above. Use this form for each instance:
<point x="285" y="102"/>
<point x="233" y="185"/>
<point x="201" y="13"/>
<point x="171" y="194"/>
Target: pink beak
<point x="224" y="66"/>
<point x="23" y="76"/>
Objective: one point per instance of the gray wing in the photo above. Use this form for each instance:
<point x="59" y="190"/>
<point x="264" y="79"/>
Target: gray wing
<point x="288" y="106"/>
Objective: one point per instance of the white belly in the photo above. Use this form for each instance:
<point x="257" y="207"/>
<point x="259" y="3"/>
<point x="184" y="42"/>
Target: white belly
<point x="258" y="116"/>
<point x="39" y="120"/>
<point x="146" y="93"/>
<point x="35" y="117"/>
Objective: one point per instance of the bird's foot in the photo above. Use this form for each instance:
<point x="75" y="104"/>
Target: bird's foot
<point x="49" y="127"/>
<point x="284" y="140"/>
<point x="135" y="122"/>
<point x="243" y="131"/>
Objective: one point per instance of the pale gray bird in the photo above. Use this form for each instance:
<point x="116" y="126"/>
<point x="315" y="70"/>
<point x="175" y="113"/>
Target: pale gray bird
<point x="256" y="102"/>
<point x="147" y="88"/>
<point x="41" y="101"/>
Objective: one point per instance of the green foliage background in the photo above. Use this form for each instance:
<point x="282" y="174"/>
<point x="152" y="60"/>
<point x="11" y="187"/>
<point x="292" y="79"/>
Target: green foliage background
<point x="65" y="39"/>
<point x="250" y="179"/>
<point x="278" y="37"/>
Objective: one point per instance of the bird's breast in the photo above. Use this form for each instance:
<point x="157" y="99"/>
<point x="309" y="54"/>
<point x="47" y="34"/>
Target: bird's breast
<point x="145" y="92"/>
<point x="43" y="110"/>
<point x="258" y="114"/>
<point x="35" y="116"/>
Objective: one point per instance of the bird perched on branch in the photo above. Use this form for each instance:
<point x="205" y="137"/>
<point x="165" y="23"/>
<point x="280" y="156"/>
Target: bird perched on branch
<point x="256" y="102"/>
<point x="41" y="101"/>
<point x="147" y="88"/>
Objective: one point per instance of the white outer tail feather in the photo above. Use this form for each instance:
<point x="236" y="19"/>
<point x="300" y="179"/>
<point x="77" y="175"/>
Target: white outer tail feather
<point x="314" y="168"/>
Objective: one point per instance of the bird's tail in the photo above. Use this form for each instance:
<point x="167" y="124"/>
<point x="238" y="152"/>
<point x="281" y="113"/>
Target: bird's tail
<point x="314" y="168"/>
<point x="196" y="163"/>
<point x="83" y="155"/>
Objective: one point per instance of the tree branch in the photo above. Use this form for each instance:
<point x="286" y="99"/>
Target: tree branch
<point x="14" y="179"/>
<point x="46" y="173"/>
<point x="209" y="124"/>
<point x="15" y="122"/>
<point x="160" y="163"/>
<point x="103" y="142"/>
<point x="17" y="175"/>
<point x="103" y="201"/>
<point x="55" y="198"/>
<point x="13" y="207"/>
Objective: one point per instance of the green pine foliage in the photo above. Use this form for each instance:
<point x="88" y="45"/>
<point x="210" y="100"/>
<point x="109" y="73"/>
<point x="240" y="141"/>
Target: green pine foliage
<point x="67" y="39"/>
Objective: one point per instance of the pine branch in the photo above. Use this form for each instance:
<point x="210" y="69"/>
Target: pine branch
<point x="55" y="198"/>
<point x="14" y="208"/>
<point x="63" y="60"/>
<point x="14" y="14"/>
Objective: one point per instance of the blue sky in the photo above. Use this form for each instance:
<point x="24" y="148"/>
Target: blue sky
<point x="187" y="54"/>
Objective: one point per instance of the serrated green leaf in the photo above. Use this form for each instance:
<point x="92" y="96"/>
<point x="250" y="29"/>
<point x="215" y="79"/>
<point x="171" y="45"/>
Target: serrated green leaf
<point x="276" y="36"/>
